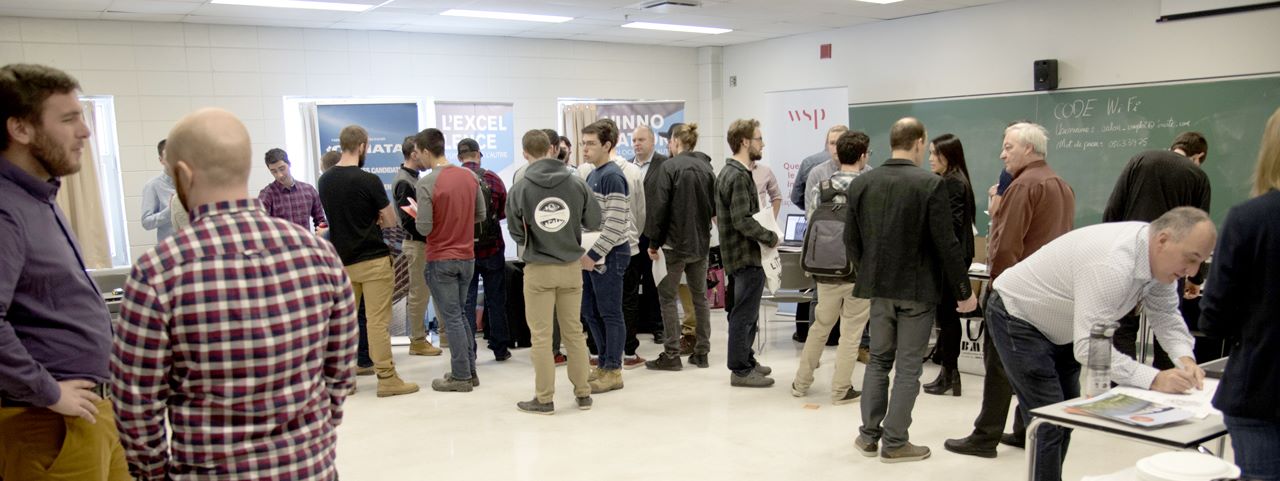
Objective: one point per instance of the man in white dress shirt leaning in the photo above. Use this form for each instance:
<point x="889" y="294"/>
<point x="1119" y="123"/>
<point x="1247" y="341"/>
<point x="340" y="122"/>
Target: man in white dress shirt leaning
<point x="1044" y="307"/>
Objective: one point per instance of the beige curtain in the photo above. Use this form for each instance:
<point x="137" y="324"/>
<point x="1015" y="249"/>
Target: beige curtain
<point x="80" y="198"/>
<point x="577" y="116"/>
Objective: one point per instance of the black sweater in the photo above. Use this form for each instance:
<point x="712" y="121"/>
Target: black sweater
<point x="1242" y="303"/>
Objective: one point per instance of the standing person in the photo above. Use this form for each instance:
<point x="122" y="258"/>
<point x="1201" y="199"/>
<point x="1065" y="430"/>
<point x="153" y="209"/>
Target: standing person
<point x="404" y="188"/>
<point x="900" y="236"/>
<point x="491" y="262"/>
<point x="606" y="260"/>
<point x="680" y="211"/>
<point x="946" y="158"/>
<point x="1243" y="305"/>
<point x="450" y="203"/>
<point x="197" y="352"/>
<point x="288" y="198"/>
<point x="1047" y="305"/>
<point x="155" y="200"/>
<point x="741" y="236"/>
<point x="358" y="210"/>
<point x="809" y="176"/>
<point x="639" y="292"/>
<point x="836" y="303"/>
<point x="1152" y="183"/>
<point x="800" y="189"/>
<point x="55" y="330"/>
<point x="547" y="212"/>
<point x="1037" y="207"/>
<point x="767" y="185"/>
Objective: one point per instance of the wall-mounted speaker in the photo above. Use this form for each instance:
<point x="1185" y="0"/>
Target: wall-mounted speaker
<point x="1045" y="74"/>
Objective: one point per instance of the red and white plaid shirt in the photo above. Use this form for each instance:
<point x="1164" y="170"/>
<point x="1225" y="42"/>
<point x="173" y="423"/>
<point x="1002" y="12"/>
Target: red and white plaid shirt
<point x="240" y="331"/>
<point x="299" y="204"/>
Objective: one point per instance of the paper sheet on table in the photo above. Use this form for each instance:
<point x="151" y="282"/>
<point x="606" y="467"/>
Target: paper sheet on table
<point x="769" y="255"/>
<point x="588" y="241"/>
<point x="1199" y="403"/>
<point x="659" y="267"/>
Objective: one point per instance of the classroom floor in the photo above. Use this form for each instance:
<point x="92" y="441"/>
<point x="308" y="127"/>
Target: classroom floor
<point x="687" y="425"/>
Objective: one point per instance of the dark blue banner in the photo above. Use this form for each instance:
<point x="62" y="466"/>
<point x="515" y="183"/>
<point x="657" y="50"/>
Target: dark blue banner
<point x="387" y="124"/>
<point x="490" y="124"/>
<point x="656" y="115"/>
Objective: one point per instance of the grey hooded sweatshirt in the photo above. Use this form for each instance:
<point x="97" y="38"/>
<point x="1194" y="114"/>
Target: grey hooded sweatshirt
<point x="546" y="212"/>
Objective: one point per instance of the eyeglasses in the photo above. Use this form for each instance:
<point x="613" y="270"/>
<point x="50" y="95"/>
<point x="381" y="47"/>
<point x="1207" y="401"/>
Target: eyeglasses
<point x="761" y="139"/>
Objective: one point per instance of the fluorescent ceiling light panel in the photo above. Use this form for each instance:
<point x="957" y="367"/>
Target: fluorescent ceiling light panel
<point x="882" y="2"/>
<point x="523" y="17"/>
<point x="677" y="28"/>
<point x="303" y="4"/>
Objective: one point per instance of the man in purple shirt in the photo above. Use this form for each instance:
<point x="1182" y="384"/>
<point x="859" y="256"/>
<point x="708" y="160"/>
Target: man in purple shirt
<point x="290" y="199"/>
<point x="55" y="330"/>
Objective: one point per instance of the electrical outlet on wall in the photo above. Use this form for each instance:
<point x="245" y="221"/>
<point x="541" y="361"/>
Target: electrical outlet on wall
<point x="733" y="80"/>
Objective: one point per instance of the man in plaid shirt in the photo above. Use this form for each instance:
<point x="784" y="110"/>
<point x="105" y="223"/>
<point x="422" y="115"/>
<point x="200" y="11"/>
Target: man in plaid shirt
<point x="288" y="198"/>
<point x="239" y="331"/>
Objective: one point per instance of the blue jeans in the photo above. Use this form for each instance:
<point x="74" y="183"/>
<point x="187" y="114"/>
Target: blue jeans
<point x="449" y="281"/>
<point x="362" y="347"/>
<point x="602" y="305"/>
<point x="746" y="285"/>
<point x="1042" y="373"/>
<point x="494" y="271"/>
<point x="899" y="344"/>
<point x="1256" y="443"/>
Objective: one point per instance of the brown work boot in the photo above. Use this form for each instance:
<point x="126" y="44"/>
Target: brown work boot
<point x="687" y="342"/>
<point x="608" y="380"/>
<point x="864" y="355"/>
<point x="423" y="348"/>
<point x="394" y="386"/>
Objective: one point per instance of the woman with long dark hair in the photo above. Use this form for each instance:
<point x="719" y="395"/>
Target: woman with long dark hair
<point x="946" y="158"/>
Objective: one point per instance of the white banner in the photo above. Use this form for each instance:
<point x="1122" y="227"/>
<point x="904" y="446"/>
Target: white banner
<point x="795" y="126"/>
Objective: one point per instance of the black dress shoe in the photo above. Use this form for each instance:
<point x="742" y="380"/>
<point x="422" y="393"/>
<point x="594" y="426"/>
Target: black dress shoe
<point x="699" y="360"/>
<point x="1011" y="439"/>
<point x="798" y="338"/>
<point x="658" y="338"/>
<point x="969" y="447"/>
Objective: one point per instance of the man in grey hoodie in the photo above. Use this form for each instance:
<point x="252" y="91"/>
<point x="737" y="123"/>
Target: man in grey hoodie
<point x="546" y="213"/>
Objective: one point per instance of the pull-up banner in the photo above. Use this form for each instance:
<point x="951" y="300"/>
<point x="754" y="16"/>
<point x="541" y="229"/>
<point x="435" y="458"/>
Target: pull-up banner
<point x="387" y="124"/>
<point x="629" y="115"/>
<point x="795" y="126"/>
<point x="492" y="125"/>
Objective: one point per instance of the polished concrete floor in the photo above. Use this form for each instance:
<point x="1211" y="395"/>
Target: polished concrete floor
<point x="688" y="425"/>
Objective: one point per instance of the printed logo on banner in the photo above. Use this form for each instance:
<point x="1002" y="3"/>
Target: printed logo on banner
<point x="387" y="125"/>
<point x="656" y="115"/>
<point x="808" y="116"/>
<point x="552" y="214"/>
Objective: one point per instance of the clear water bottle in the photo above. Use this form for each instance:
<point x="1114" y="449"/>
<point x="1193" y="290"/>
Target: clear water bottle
<point x="1099" y="368"/>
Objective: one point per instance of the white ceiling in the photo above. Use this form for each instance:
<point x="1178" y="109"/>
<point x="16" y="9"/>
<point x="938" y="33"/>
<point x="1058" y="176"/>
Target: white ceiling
<point x="594" y="20"/>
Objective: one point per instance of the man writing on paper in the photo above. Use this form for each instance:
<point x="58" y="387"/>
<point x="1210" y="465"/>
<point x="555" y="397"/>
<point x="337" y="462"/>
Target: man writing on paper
<point x="1047" y="304"/>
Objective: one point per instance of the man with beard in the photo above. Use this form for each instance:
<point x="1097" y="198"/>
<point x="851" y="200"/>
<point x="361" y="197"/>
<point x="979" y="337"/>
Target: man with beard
<point x="55" y="330"/>
<point x="216" y="326"/>
<point x="358" y="210"/>
<point x="741" y="236"/>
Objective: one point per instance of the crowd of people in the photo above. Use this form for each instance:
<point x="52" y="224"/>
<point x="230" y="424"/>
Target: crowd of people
<point x="242" y="331"/>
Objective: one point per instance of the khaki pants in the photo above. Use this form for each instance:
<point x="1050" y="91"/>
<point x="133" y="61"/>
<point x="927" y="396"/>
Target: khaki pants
<point x="554" y="291"/>
<point x="419" y="294"/>
<point x="835" y="302"/>
<point x="686" y="300"/>
<point x="374" y="280"/>
<point x="39" y="444"/>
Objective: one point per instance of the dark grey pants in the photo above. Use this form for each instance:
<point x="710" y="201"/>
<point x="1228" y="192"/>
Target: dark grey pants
<point x="899" y="339"/>
<point x="669" y="296"/>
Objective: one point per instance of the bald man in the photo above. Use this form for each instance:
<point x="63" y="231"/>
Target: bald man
<point x="238" y="332"/>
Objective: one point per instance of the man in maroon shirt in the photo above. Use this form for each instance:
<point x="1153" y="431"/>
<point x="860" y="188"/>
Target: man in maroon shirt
<point x="491" y="261"/>
<point x="291" y="199"/>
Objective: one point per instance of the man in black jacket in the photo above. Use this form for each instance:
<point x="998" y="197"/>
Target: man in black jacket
<point x="1152" y="183"/>
<point x="688" y="183"/>
<point x="639" y="294"/>
<point x="900" y="236"/>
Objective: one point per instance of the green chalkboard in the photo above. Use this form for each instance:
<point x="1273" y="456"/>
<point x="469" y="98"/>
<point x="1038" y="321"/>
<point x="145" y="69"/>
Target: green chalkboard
<point x="1094" y="132"/>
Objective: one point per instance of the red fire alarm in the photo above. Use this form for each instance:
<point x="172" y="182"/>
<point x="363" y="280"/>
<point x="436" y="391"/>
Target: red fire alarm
<point x="824" y="51"/>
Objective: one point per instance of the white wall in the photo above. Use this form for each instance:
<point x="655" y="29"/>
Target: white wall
<point x="990" y="49"/>
<point x="160" y="71"/>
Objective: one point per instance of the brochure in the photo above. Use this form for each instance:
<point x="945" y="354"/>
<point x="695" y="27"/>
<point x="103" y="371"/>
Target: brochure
<point x="1129" y="410"/>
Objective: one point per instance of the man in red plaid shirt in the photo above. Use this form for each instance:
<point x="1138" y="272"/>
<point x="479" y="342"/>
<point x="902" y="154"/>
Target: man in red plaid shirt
<point x="240" y="331"/>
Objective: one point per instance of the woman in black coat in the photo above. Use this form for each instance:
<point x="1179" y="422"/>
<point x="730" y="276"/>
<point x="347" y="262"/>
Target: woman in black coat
<point x="946" y="158"/>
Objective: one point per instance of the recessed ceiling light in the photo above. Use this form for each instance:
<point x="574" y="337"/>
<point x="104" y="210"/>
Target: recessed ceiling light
<point x="524" y="17"/>
<point x="677" y="28"/>
<point x="304" y="4"/>
<point x="881" y="2"/>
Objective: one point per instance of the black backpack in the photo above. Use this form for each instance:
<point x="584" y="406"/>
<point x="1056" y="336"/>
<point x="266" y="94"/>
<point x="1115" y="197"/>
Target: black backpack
<point x="488" y="231"/>
<point x="824" y="254"/>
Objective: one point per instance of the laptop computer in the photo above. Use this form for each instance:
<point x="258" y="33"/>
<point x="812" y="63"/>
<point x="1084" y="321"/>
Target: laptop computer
<point x="1214" y="369"/>
<point x="793" y="230"/>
